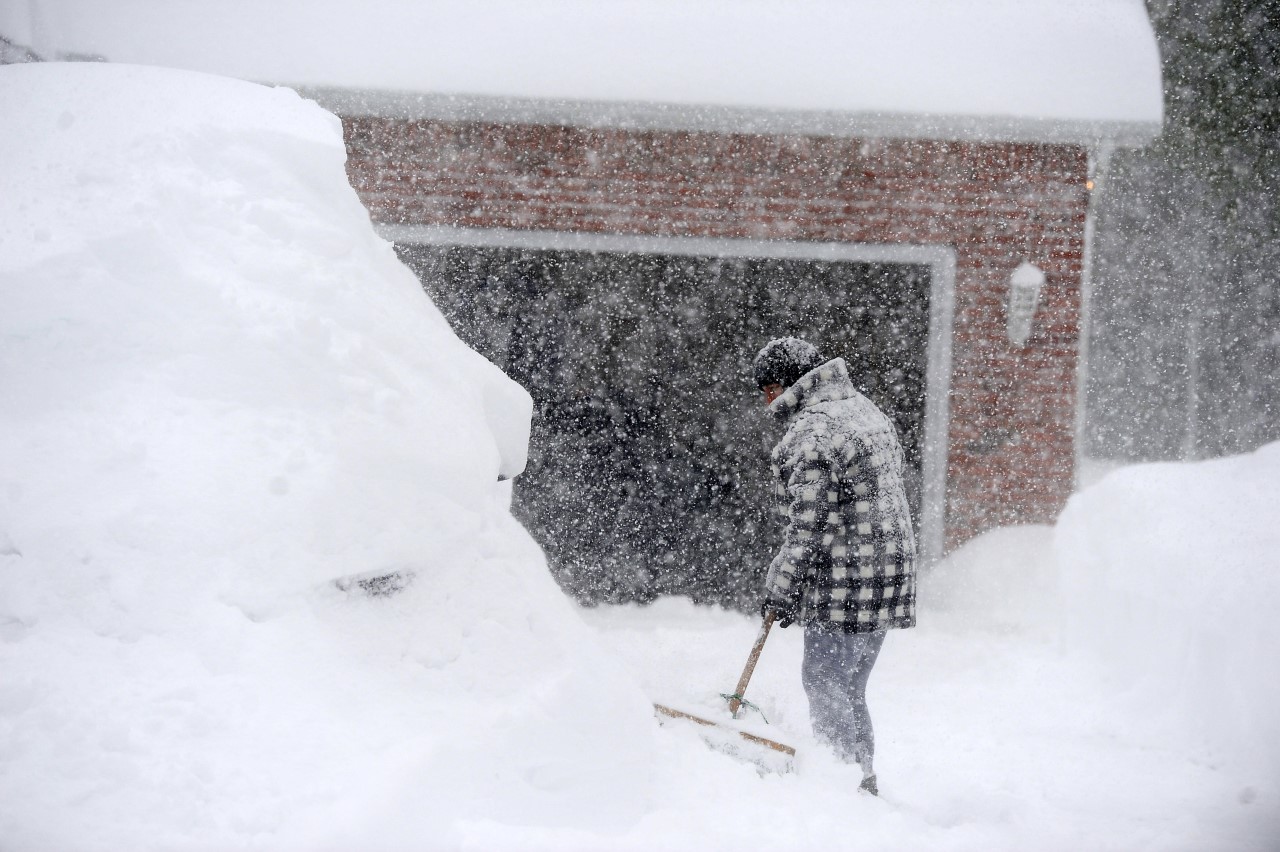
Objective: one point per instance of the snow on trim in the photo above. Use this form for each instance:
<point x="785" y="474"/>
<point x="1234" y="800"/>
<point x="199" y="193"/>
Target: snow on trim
<point x="940" y="259"/>
<point x="726" y="119"/>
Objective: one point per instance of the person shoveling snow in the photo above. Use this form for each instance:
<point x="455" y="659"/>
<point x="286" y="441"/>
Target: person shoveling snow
<point x="846" y="567"/>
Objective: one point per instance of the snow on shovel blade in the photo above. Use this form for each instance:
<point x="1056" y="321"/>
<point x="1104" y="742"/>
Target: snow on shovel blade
<point x="769" y="755"/>
<point x="672" y="713"/>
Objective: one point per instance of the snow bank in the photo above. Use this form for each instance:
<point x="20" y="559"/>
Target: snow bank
<point x="1164" y="578"/>
<point x="221" y="391"/>
<point x="1171" y="580"/>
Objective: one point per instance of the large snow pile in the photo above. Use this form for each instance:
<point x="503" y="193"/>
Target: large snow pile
<point x="1170" y="578"/>
<point x="221" y="391"/>
<point x="1165" y="578"/>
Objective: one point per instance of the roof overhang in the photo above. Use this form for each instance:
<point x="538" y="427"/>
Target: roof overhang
<point x="728" y="119"/>
<point x="1086" y="72"/>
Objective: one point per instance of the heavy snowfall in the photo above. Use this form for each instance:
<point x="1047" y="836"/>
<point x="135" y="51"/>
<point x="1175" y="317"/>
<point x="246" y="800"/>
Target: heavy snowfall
<point x="261" y="585"/>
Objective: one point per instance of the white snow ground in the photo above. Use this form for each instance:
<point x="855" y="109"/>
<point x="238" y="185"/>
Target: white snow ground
<point x="996" y="726"/>
<point x="219" y="391"/>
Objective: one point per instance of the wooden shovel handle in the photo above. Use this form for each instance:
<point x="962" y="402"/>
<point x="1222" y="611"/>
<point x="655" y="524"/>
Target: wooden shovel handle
<point x="736" y="701"/>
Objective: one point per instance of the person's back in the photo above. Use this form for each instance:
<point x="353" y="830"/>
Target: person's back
<point x="846" y="567"/>
<point x="857" y="543"/>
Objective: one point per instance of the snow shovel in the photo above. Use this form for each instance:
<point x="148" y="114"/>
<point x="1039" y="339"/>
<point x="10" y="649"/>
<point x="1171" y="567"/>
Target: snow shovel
<point x="735" y="700"/>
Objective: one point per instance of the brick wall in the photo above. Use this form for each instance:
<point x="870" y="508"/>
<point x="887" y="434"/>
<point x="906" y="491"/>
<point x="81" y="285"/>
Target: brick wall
<point x="1010" y="452"/>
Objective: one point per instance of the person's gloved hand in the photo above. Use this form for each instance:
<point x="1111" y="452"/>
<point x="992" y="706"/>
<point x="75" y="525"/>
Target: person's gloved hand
<point x="785" y="611"/>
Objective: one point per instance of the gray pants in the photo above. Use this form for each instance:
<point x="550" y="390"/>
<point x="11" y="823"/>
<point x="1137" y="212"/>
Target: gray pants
<point x="835" y="671"/>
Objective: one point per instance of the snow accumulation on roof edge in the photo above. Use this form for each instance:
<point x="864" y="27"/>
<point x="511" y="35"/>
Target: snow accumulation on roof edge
<point x="723" y="119"/>
<point x="1087" y="71"/>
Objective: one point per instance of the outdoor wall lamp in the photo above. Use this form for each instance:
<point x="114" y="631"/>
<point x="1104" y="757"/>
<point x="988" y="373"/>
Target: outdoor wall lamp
<point x="1024" y="297"/>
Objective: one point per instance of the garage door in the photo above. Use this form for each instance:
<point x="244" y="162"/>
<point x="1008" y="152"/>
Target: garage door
<point x="649" y="453"/>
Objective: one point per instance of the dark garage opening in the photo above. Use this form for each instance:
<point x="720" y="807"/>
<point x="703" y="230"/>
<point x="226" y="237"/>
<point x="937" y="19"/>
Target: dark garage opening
<point x="648" y="470"/>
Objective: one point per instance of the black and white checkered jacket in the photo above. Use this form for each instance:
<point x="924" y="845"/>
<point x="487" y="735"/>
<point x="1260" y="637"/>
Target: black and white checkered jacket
<point x="848" y="554"/>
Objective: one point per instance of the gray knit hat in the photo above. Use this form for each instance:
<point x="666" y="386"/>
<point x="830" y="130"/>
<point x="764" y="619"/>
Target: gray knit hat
<point x="784" y="361"/>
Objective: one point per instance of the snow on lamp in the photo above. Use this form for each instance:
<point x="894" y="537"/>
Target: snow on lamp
<point x="1024" y="297"/>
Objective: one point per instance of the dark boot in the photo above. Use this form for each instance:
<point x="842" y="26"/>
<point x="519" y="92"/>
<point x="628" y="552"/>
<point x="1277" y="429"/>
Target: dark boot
<point x="869" y="785"/>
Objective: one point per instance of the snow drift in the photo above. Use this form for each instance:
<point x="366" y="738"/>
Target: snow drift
<point x="1170" y="578"/>
<point x="1163" y="579"/>
<point x="221" y="391"/>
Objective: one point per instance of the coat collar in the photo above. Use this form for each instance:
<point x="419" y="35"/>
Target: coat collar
<point x="825" y="383"/>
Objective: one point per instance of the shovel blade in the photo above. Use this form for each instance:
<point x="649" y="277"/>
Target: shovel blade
<point x="725" y="738"/>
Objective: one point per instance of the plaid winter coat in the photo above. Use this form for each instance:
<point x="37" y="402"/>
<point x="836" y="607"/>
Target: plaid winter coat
<point x="848" y="554"/>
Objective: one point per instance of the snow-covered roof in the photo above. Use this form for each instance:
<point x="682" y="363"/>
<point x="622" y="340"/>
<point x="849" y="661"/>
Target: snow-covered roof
<point x="1081" y="71"/>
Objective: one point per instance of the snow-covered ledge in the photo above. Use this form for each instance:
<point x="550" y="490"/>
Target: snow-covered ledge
<point x="1083" y="72"/>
